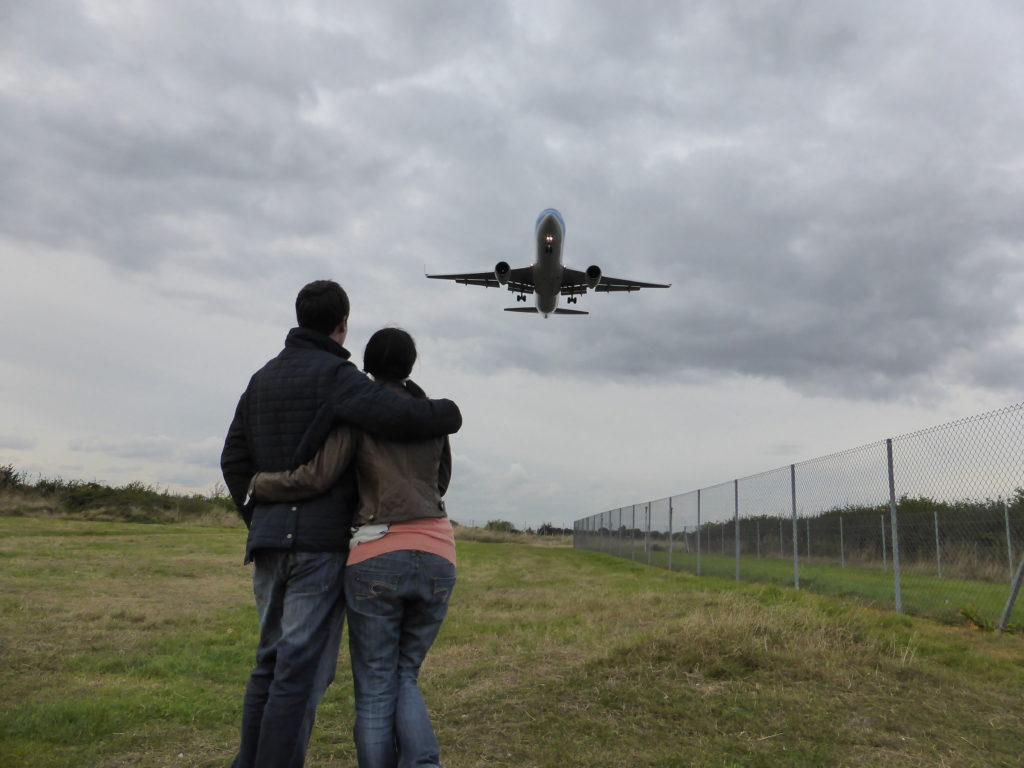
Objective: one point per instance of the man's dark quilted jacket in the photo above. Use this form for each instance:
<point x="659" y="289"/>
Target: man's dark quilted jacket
<point x="282" y="418"/>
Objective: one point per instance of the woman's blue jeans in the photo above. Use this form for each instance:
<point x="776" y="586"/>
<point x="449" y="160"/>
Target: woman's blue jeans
<point x="395" y="605"/>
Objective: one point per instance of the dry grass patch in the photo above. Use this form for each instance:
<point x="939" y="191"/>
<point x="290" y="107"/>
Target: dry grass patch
<point x="130" y="645"/>
<point x="78" y="592"/>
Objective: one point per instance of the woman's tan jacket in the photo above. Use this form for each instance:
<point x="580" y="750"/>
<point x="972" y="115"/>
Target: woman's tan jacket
<point x="397" y="481"/>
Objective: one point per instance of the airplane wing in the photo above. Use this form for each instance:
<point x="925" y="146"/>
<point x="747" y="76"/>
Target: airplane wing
<point x="575" y="282"/>
<point x="519" y="280"/>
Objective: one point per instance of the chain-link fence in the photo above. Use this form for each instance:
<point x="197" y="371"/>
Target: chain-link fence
<point x="930" y="523"/>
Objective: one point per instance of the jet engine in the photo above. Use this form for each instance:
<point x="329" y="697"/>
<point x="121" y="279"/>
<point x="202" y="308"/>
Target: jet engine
<point x="501" y="272"/>
<point x="593" y="276"/>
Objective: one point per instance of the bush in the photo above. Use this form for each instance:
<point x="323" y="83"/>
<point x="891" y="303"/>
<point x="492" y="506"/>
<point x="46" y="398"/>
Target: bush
<point x="547" y="529"/>
<point x="500" y="526"/>
<point x="11" y="477"/>
<point x="135" y="501"/>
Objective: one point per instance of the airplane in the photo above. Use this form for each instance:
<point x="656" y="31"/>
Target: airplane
<point x="547" y="278"/>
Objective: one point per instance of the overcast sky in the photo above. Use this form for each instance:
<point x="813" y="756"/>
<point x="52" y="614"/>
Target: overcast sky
<point x="835" y="192"/>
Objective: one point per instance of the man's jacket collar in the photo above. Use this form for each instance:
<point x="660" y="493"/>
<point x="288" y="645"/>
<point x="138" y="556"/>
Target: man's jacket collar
<point x="304" y="338"/>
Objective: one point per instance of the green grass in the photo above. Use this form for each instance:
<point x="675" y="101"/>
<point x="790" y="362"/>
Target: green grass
<point x="924" y="594"/>
<point x="129" y="645"/>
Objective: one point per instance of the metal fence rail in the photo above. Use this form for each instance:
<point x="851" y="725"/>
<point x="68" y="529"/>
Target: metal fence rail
<point x="931" y="523"/>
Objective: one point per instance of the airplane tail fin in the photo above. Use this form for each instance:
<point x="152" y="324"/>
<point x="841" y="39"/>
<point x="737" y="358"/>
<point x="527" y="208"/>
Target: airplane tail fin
<point x="558" y="311"/>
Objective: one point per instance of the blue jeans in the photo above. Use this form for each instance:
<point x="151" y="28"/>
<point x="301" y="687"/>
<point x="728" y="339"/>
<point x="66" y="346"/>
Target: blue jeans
<point x="301" y="602"/>
<point x="396" y="603"/>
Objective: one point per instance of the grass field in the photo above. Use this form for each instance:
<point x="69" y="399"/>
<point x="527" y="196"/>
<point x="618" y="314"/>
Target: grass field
<point x="129" y="645"/>
<point x="949" y="600"/>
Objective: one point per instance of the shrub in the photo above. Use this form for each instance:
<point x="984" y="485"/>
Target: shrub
<point x="500" y="526"/>
<point x="11" y="477"/>
<point x="135" y="501"/>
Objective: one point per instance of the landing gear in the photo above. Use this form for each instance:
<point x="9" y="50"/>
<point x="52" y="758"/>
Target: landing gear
<point x="572" y="300"/>
<point x="521" y="297"/>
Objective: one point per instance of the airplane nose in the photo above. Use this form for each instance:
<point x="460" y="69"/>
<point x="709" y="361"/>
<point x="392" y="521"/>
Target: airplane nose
<point x="550" y="222"/>
<point x="549" y="228"/>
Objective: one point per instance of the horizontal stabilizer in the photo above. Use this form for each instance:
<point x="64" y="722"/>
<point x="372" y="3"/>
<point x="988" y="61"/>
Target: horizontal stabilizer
<point x="556" y="312"/>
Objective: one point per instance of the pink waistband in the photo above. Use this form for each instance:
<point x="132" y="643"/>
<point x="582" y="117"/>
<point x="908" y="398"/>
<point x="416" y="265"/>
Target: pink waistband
<point x="427" y="534"/>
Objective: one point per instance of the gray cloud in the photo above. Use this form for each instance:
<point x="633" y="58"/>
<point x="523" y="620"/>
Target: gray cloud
<point x="128" y="447"/>
<point x="847" y="242"/>
<point x="16" y="443"/>
<point x="202" y="453"/>
<point x="798" y="173"/>
<point x="205" y="453"/>
<point x="191" y="477"/>
<point x="832" y="190"/>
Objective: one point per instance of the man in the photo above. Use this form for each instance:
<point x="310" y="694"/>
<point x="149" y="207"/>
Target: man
<point x="299" y="548"/>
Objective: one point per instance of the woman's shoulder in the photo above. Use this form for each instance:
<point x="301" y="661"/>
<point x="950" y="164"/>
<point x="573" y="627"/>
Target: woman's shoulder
<point x="396" y="386"/>
<point x="409" y="388"/>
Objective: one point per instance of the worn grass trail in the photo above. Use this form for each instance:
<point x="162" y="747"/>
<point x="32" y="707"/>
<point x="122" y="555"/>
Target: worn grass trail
<point x="127" y="644"/>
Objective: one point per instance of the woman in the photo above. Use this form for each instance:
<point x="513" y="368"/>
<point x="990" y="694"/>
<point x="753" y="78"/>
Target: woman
<point x="401" y="565"/>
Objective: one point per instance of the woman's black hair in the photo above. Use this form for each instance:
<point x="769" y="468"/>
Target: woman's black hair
<point x="389" y="355"/>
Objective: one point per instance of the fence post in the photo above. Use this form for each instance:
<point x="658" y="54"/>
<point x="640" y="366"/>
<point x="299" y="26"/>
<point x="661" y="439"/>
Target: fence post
<point x="842" y="546"/>
<point x="885" y="561"/>
<point x="622" y="532"/>
<point x="895" y="530"/>
<point x="782" y="551"/>
<point x="1009" y="539"/>
<point x="632" y="536"/>
<point x="807" y="525"/>
<point x="938" y="545"/>
<point x="698" y="531"/>
<point x="647" y="534"/>
<point x="796" y="545"/>
<point x="757" y="536"/>
<point x="736" y="517"/>
<point x="1014" y="589"/>
<point x="617" y="535"/>
<point x="670" y="533"/>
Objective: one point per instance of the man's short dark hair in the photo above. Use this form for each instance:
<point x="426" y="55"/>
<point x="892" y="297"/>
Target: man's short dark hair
<point x="321" y="306"/>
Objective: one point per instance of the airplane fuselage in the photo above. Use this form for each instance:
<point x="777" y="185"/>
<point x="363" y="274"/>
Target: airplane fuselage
<point x="547" y="269"/>
<point x="547" y="278"/>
